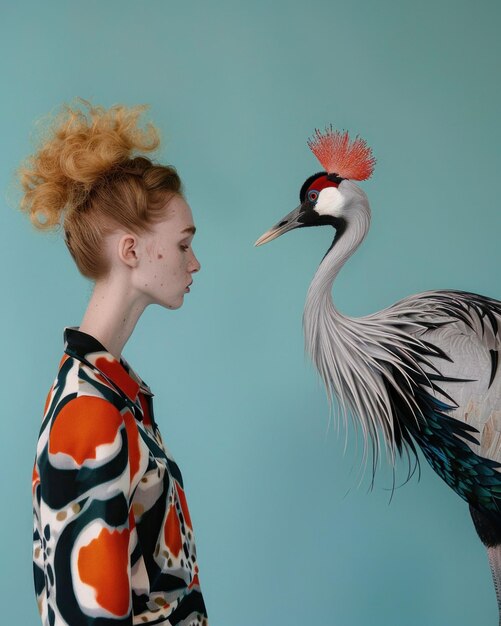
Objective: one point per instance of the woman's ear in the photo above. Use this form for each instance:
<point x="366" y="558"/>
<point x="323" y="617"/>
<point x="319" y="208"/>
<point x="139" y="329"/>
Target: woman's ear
<point x="127" y="249"/>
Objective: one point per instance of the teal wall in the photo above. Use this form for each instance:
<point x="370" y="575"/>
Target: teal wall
<point x="284" y="533"/>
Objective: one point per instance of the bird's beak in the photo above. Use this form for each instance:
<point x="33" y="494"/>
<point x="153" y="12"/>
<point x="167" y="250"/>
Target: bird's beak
<point x="287" y="223"/>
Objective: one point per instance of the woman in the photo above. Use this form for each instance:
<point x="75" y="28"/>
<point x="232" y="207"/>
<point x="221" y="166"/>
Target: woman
<point x="113" y="538"/>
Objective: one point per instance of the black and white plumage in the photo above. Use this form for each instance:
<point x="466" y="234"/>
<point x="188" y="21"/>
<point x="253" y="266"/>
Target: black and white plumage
<point x="424" y="372"/>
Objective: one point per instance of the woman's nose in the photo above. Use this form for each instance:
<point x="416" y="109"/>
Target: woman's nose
<point x="196" y="265"/>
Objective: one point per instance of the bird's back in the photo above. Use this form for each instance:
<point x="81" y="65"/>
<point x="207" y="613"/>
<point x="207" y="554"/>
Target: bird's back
<point x="466" y="327"/>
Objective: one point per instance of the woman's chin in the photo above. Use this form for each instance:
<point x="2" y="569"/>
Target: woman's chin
<point x="172" y="304"/>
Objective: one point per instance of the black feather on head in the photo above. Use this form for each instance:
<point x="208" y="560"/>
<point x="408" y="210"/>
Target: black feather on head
<point x="332" y="177"/>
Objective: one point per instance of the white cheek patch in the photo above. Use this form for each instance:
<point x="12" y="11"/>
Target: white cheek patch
<point x="330" y="202"/>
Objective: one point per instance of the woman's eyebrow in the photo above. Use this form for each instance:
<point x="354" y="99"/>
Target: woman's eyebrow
<point x="190" y="229"/>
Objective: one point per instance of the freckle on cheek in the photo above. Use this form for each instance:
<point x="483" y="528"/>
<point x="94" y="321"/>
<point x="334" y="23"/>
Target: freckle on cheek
<point x="160" y="256"/>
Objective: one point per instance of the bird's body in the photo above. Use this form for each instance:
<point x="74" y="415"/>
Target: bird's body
<point x="431" y="357"/>
<point x="385" y="368"/>
<point x="467" y="329"/>
<point x="423" y="372"/>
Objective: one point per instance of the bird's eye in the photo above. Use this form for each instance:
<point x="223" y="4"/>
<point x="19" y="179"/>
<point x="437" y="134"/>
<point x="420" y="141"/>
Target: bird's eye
<point x="312" y="195"/>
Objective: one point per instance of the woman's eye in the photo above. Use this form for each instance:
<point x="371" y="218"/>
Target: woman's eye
<point x="184" y="248"/>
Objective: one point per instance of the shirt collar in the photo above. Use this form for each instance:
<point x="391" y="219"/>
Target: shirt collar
<point x="83" y="346"/>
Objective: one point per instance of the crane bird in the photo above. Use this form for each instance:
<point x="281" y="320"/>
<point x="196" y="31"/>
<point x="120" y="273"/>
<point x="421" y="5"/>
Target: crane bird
<point x="423" y="371"/>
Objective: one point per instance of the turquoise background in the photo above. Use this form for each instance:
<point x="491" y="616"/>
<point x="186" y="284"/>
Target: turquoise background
<point x="284" y="533"/>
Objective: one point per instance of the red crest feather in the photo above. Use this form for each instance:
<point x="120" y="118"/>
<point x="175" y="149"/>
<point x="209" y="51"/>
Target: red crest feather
<point x="338" y="156"/>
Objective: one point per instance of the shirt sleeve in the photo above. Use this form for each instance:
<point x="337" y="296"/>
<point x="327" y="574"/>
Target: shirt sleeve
<point x="84" y="517"/>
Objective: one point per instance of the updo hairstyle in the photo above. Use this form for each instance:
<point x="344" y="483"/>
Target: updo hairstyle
<point x="85" y="168"/>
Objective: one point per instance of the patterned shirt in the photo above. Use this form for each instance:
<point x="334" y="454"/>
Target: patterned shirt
<point x="113" y="540"/>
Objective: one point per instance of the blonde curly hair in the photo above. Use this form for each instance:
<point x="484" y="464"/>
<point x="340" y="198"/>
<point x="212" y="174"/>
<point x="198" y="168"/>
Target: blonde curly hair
<point x="85" y="168"/>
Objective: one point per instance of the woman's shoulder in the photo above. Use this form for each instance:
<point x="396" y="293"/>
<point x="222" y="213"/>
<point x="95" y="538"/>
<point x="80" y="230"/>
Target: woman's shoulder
<point x="83" y="417"/>
<point x="77" y="379"/>
<point x="78" y="391"/>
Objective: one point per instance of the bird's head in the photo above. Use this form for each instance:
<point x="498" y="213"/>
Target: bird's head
<point x="327" y="196"/>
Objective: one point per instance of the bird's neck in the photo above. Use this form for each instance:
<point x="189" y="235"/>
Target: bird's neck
<point x="338" y="344"/>
<point x="344" y="245"/>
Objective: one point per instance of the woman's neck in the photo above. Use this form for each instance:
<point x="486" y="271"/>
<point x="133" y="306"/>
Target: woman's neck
<point x="111" y="315"/>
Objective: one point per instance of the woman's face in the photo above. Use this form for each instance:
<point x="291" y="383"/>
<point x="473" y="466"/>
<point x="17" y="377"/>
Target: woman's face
<point x="167" y="261"/>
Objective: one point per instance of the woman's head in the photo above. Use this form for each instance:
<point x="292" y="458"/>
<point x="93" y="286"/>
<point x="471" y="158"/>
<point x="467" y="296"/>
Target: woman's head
<point x="156" y="267"/>
<point x="86" y="175"/>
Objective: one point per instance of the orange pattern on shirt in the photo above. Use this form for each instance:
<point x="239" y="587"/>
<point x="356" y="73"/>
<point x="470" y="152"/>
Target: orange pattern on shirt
<point x="83" y="424"/>
<point x="35" y="478"/>
<point x="102" y="564"/>
<point x="115" y="371"/>
<point x="133" y="443"/>
<point x="194" y="582"/>
<point x="172" y="531"/>
<point x="146" y="411"/>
